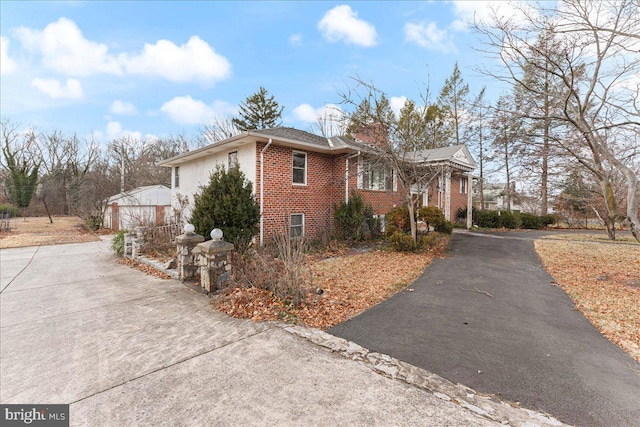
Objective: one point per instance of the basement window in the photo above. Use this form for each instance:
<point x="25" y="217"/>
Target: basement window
<point x="297" y="225"/>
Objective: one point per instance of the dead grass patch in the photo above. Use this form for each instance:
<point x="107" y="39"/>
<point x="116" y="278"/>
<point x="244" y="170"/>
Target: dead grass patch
<point x="38" y="231"/>
<point x="603" y="279"/>
<point x="343" y="287"/>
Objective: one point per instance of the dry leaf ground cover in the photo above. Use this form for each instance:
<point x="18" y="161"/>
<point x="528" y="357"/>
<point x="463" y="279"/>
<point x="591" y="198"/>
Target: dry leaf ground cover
<point x="603" y="279"/>
<point x="38" y="231"/>
<point x="350" y="284"/>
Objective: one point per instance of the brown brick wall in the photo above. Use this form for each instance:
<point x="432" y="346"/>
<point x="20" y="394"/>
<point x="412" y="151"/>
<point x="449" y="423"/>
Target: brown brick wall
<point x="325" y="187"/>
<point x="282" y="198"/>
<point x="458" y="200"/>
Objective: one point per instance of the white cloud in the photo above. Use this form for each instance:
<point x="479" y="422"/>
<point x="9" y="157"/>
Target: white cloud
<point x="429" y="36"/>
<point x="54" y="89"/>
<point x="482" y="11"/>
<point x="7" y="65"/>
<point x="114" y="130"/>
<point x="306" y="113"/>
<point x="65" y="49"/>
<point x="193" y="61"/>
<point x="342" y="23"/>
<point x="186" y="110"/>
<point x="295" y="39"/>
<point x="397" y="102"/>
<point x="122" y="108"/>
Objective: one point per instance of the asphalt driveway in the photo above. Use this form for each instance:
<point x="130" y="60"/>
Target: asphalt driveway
<point x="525" y="343"/>
<point x="123" y="349"/>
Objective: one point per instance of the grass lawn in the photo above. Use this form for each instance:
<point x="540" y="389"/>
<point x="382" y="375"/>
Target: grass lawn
<point x="603" y="279"/>
<point x="38" y="231"/>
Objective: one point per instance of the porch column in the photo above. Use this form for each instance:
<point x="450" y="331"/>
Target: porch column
<point x="469" y="200"/>
<point x="447" y="194"/>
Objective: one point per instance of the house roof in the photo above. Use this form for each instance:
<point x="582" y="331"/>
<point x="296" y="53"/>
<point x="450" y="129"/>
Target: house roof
<point x="138" y="194"/>
<point x="458" y="155"/>
<point x="294" y="135"/>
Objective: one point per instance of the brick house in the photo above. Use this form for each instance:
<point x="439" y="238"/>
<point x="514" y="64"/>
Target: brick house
<point x="298" y="177"/>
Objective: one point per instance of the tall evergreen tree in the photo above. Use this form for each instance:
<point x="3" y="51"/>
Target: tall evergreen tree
<point x="227" y="203"/>
<point x="476" y="136"/>
<point x="370" y="110"/>
<point x="258" y="111"/>
<point x="452" y="99"/>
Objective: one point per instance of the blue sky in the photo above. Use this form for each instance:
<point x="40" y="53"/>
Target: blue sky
<point x="158" y="68"/>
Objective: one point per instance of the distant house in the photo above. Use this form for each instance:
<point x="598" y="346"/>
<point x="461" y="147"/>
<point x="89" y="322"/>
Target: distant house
<point x="140" y="206"/>
<point x="299" y="177"/>
<point x="495" y="197"/>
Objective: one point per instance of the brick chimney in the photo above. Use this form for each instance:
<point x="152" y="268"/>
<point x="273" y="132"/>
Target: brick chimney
<point x="375" y="134"/>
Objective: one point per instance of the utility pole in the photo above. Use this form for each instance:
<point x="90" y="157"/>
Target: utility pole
<point x="122" y="167"/>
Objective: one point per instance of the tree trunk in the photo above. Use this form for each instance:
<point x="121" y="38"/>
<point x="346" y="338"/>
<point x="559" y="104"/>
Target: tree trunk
<point x="610" y="207"/>
<point x="46" y="208"/>
<point x="506" y="164"/>
<point x="412" y="219"/>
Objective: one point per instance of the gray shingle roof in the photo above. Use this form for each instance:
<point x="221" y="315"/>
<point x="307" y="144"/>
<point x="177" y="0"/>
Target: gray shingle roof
<point x="294" y="134"/>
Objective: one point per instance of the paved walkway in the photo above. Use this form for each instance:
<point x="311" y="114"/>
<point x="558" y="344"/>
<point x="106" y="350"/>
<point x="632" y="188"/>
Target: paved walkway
<point x="123" y="348"/>
<point x="525" y="343"/>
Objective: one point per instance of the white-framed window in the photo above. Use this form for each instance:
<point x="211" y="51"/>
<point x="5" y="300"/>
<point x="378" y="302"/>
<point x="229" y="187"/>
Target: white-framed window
<point x="176" y="177"/>
<point x="233" y="159"/>
<point x="299" y="166"/>
<point x="463" y="185"/>
<point x="376" y="177"/>
<point x="297" y="225"/>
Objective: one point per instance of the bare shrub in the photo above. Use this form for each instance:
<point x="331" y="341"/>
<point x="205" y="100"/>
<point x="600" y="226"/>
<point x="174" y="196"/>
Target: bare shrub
<point x="280" y="268"/>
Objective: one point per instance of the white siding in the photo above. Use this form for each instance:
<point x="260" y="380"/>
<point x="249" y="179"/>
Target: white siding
<point x="195" y="174"/>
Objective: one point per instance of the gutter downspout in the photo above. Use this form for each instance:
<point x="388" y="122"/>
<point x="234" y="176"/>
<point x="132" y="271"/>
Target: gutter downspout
<point x="346" y="177"/>
<point x="262" y="190"/>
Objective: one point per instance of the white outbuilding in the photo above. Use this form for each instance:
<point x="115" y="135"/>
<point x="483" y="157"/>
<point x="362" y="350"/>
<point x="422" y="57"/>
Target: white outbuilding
<point x="147" y="205"/>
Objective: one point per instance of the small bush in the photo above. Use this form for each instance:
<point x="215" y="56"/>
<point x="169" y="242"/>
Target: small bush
<point x="280" y="269"/>
<point x="397" y="219"/>
<point x="509" y="220"/>
<point x="93" y="222"/>
<point x="354" y="220"/>
<point x="431" y="240"/>
<point x="547" y="220"/>
<point x="444" y="227"/>
<point x="402" y="242"/>
<point x="12" y="210"/>
<point x="486" y="219"/>
<point x="530" y="221"/>
<point x="117" y="244"/>
<point x="431" y="215"/>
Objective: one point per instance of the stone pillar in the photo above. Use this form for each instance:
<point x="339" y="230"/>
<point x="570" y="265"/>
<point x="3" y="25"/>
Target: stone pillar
<point x="186" y="261"/>
<point x="129" y="242"/>
<point x="215" y="262"/>
<point x="138" y="242"/>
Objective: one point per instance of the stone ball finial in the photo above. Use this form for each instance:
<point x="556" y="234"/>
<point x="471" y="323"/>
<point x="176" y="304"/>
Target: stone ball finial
<point x="189" y="228"/>
<point x="216" y="234"/>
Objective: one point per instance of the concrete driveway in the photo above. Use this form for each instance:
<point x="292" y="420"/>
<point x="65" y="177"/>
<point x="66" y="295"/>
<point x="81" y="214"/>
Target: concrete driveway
<point x="124" y="348"/>
<point x="525" y="343"/>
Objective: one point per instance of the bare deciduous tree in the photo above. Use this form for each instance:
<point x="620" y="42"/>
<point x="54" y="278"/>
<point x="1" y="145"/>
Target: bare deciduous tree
<point x="596" y="64"/>
<point x="394" y="144"/>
